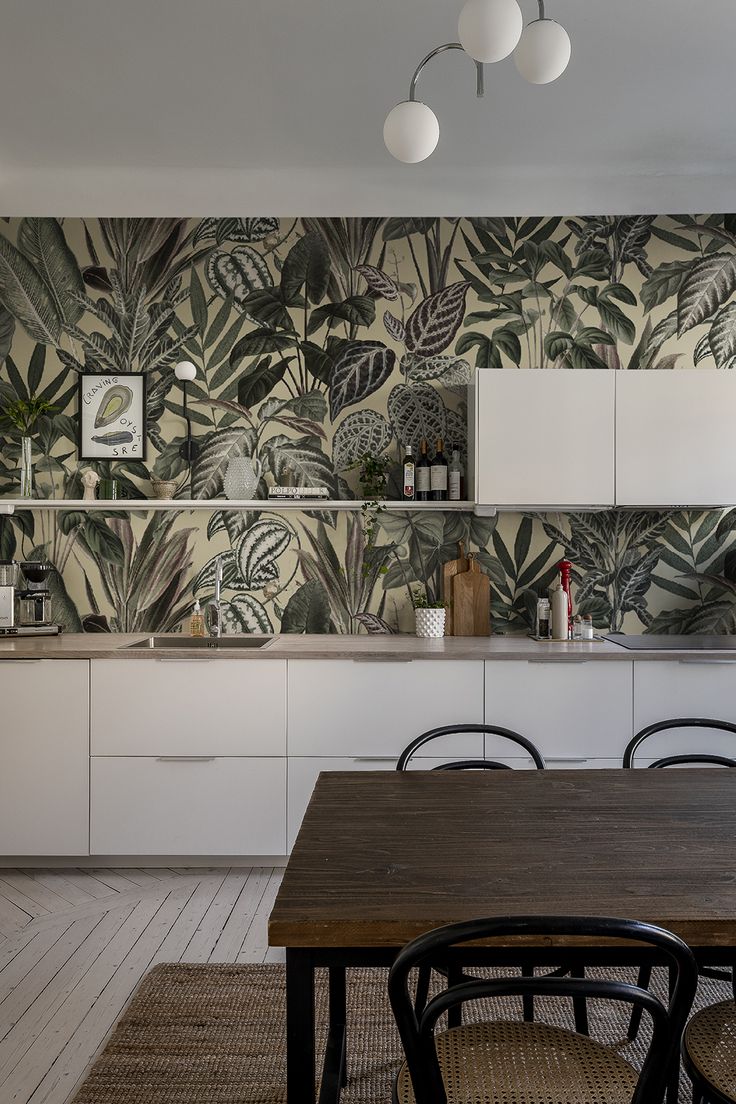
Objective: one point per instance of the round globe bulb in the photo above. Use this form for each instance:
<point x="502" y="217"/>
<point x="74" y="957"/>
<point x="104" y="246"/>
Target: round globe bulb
<point x="543" y="51"/>
<point x="411" y="131"/>
<point x="489" y="30"/>
<point x="185" y="370"/>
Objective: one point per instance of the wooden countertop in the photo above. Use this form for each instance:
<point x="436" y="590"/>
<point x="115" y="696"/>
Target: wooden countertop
<point x="362" y="648"/>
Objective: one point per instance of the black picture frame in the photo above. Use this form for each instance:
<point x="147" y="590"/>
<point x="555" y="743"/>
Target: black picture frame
<point x="124" y="420"/>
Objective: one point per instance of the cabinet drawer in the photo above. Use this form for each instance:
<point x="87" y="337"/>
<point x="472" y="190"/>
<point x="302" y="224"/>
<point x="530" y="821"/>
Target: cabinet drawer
<point x="210" y="806"/>
<point x="568" y="709"/>
<point x="345" y="708"/>
<point x="194" y="706"/>
<point x="696" y="687"/>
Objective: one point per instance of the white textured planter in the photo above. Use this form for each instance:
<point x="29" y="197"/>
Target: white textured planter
<point x="430" y="622"/>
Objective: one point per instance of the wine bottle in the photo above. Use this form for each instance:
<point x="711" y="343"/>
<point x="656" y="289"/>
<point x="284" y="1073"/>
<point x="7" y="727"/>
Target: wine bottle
<point x="422" y="472"/>
<point x="438" y="475"/>
<point x="455" y="478"/>
<point x="409" y="472"/>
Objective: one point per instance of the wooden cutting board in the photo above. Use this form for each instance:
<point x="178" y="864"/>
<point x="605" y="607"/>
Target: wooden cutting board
<point x="449" y="571"/>
<point x="471" y="602"/>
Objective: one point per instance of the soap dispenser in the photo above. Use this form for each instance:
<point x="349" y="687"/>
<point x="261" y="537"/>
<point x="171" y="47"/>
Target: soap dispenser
<point x="196" y="625"/>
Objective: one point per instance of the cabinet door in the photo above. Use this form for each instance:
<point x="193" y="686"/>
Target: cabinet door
<point x="44" y="757"/>
<point x="569" y="709"/>
<point x="522" y="461"/>
<point x="341" y="707"/>
<point x="193" y="706"/>
<point x="674" y="438"/>
<point x="200" y="806"/>
<point x="696" y="687"/>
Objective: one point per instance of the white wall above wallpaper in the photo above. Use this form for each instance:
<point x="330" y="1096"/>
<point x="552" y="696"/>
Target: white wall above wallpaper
<point x="184" y="107"/>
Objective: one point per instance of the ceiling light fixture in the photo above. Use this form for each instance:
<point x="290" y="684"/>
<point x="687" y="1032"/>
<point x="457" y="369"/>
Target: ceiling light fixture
<point x="489" y="30"/>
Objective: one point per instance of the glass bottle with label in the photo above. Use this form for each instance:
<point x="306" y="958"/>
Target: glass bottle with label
<point x="407" y="483"/>
<point x="421" y="492"/>
<point x="438" y="475"/>
<point x="455" y="477"/>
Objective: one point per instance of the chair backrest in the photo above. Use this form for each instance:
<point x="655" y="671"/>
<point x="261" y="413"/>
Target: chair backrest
<point x="437" y="947"/>
<point x="470" y="764"/>
<point x="678" y="760"/>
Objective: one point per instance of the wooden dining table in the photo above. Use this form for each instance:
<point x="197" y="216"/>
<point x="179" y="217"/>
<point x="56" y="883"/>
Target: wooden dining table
<point x="383" y="856"/>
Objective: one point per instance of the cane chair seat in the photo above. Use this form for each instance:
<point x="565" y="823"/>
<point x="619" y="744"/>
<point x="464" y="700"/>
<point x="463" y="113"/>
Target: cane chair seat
<point x="709" y="1048"/>
<point x="510" y="1062"/>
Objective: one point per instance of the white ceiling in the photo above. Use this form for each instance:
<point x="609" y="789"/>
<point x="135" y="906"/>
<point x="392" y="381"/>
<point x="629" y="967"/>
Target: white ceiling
<point x="277" y="106"/>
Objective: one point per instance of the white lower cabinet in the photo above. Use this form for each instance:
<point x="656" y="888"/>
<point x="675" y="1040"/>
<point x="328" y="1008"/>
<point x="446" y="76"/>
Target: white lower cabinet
<point x="693" y="687"/>
<point x="574" y="711"/>
<point x="44" y="757"/>
<point x="187" y="806"/>
<point x="342" y="707"/>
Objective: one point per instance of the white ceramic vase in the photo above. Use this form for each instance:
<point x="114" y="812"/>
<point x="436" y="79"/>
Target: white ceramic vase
<point x="430" y="622"/>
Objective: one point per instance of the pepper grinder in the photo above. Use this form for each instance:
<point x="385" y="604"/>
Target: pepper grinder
<point x="565" y="568"/>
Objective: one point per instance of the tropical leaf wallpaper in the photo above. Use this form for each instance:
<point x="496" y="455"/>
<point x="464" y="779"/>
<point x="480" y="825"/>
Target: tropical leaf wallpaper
<point x="316" y="341"/>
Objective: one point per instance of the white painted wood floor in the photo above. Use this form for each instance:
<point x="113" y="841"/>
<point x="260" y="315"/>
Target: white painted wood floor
<point x="75" y="943"/>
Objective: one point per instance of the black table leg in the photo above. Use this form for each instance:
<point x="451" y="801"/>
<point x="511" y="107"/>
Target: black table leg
<point x="673" y="1083"/>
<point x="300" y="1064"/>
<point x="334" y="1076"/>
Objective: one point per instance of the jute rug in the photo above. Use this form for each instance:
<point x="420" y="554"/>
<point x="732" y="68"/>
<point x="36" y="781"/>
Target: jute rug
<point x="214" y="1034"/>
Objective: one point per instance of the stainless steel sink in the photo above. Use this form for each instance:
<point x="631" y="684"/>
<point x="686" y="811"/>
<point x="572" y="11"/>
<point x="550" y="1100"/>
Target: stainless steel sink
<point x="201" y="643"/>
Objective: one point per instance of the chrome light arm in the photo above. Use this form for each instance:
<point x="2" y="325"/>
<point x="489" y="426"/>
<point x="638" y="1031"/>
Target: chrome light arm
<point x="479" y="76"/>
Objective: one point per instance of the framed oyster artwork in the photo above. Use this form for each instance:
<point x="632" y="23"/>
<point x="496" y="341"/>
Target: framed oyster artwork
<point x="112" y="416"/>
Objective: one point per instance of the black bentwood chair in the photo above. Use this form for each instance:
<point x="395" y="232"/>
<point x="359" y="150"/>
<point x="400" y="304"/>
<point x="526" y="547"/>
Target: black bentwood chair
<point x="501" y="1061"/>
<point x="709" y="1054"/>
<point x="581" y="1015"/>
<point x="696" y="760"/>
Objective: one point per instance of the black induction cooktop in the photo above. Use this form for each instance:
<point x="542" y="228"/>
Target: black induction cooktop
<point x="668" y="643"/>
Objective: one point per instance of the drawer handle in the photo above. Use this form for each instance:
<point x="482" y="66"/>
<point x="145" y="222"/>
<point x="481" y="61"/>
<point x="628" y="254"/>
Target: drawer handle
<point x="34" y="659"/>
<point x="188" y="659"/>
<point x="375" y="759"/>
<point x="380" y="659"/>
<point x="566" y="759"/>
<point x="706" y="662"/>
<point x="185" y="758"/>
<point x="561" y="659"/>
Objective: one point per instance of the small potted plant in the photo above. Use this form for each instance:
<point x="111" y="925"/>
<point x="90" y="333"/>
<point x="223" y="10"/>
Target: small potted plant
<point x="429" y="616"/>
<point x="373" y="475"/>
<point x="24" y="414"/>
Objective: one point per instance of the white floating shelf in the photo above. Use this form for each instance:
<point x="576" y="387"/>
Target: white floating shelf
<point x="10" y="505"/>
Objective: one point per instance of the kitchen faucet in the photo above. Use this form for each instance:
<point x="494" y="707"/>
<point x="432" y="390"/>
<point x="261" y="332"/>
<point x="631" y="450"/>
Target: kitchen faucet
<point x="214" y="609"/>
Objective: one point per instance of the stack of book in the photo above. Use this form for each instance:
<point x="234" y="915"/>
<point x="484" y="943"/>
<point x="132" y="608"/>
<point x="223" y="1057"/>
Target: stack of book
<point x="298" y="492"/>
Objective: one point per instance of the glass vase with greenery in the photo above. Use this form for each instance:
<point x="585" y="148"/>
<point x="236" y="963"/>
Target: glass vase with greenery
<point x="23" y="415"/>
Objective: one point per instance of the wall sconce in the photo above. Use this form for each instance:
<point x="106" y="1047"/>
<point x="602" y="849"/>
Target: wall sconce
<point x="185" y="372"/>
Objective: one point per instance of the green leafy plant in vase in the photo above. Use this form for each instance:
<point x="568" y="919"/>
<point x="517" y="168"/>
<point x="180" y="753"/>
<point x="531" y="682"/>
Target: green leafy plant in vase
<point x="429" y="615"/>
<point x="373" y="475"/>
<point x="24" y="415"/>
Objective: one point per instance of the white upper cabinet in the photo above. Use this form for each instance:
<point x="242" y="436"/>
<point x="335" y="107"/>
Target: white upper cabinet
<point x="544" y="439"/>
<point x="675" y="441"/>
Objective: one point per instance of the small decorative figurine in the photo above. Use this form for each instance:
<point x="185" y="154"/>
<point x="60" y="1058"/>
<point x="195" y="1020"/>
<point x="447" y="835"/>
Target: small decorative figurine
<point x="90" y="480"/>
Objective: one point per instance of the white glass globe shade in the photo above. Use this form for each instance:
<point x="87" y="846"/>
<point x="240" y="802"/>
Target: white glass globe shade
<point x="543" y="52"/>
<point x="411" y="131"/>
<point x="489" y="30"/>
<point x="185" y="370"/>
